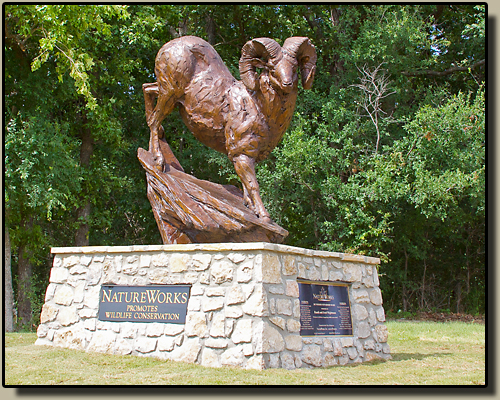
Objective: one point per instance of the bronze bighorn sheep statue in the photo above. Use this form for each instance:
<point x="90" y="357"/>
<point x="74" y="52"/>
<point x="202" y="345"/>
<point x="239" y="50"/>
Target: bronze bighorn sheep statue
<point x="243" y="119"/>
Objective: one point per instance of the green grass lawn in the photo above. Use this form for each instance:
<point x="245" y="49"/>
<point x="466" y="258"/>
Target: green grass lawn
<point x="424" y="353"/>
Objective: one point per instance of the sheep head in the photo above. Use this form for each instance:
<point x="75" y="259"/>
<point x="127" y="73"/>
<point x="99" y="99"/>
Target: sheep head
<point x="281" y="63"/>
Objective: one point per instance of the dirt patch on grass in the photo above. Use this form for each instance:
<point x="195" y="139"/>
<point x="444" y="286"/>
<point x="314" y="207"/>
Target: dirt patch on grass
<point x="445" y="317"/>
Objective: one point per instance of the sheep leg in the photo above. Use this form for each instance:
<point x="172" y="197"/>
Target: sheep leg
<point x="245" y="168"/>
<point x="150" y="91"/>
<point x="154" y="117"/>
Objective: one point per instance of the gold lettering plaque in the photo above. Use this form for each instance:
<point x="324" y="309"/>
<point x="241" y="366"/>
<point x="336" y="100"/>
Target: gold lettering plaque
<point x="325" y="309"/>
<point x="153" y="303"/>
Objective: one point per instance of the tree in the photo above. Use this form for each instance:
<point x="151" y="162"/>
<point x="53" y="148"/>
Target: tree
<point x="375" y="88"/>
<point x="40" y="178"/>
<point x="369" y="202"/>
<point x="9" y="295"/>
<point x="40" y="143"/>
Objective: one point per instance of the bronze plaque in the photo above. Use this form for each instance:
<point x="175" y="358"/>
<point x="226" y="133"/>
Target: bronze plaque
<point x="153" y="303"/>
<point x="325" y="309"/>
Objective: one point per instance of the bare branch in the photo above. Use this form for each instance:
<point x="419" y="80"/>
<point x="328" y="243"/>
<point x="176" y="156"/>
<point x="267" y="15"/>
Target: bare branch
<point x="375" y="87"/>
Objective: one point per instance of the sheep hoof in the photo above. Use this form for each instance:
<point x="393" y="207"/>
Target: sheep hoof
<point x="160" y="163"/>
<point x="266" y="219"/>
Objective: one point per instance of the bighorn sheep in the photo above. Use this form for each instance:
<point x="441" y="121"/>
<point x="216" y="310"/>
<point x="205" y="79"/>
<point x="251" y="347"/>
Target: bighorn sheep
<point x="244" y="120"/>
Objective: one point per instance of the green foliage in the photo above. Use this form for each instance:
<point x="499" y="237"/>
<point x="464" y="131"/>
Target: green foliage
<point x="424" y="187"/>
<point x="39" y="170"/>
<point x="443" y="163"/>
<point x="60" y="29"/>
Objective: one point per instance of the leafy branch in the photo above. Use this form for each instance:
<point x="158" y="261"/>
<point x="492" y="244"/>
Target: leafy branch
<point x="446" y="72"/>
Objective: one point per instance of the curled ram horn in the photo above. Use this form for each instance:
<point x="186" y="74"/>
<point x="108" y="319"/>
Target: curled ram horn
<point x="304" y="51"/>
<point x="252" y="53"/>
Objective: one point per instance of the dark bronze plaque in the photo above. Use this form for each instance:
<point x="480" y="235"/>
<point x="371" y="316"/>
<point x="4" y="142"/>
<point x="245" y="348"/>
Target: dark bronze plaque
<point x="325" y="309"/>
<point x="154" y="303"/>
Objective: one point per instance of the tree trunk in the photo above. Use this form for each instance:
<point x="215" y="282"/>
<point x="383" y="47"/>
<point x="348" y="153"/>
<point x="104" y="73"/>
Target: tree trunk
<point x="242" y="38"/>
<point x="422" y="298"/>
<point x="467" y="263"/>
<point x="24" y="275"/>
<point x="210" y="28"/>
<point x="459" y="295"/>
<point x="82" y="232"/>
<point x="336" y="65"/>
<point x="315" y="223"/>
<point x="83" y="213"/>
<point x="9" y="293"/>
<point x="404" y="283"/>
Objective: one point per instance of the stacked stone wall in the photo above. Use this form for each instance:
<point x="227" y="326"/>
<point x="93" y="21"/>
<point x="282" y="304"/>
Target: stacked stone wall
<point x="243" y="309"/>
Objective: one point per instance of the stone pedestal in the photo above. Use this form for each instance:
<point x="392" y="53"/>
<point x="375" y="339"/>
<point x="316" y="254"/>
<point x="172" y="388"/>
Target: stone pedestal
<point x="243" y="308"/>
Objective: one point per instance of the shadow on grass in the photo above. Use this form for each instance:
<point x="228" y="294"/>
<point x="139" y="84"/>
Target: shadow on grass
<point x="396" y="357"/>
<point x="415" y="356"/>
